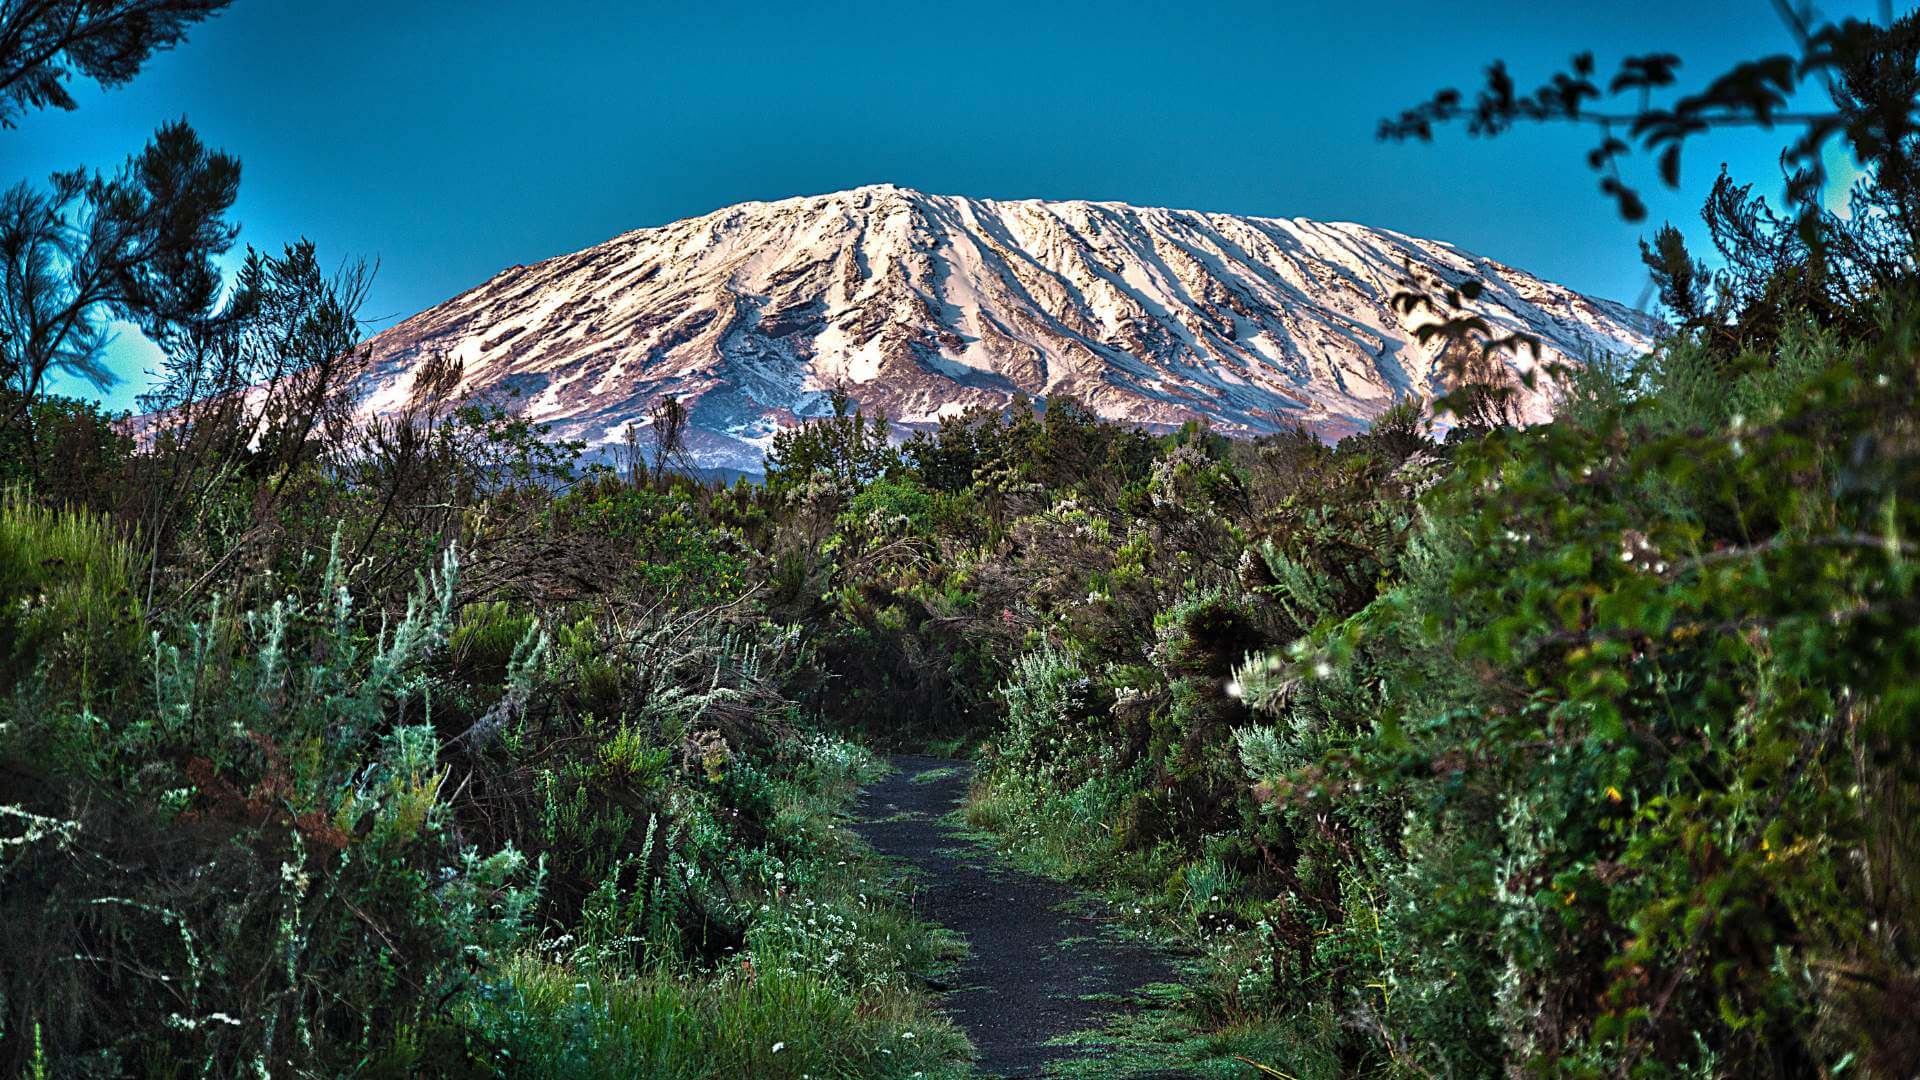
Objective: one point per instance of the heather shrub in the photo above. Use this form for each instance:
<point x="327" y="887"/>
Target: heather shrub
<point x="649" y="541"/>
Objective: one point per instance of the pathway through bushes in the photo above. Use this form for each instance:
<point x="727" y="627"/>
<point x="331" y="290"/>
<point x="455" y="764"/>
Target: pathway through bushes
<point x="1039" y="965"/>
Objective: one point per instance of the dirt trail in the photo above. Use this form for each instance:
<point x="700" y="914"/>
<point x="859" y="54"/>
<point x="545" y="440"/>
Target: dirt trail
<point x="1039" y="967"/>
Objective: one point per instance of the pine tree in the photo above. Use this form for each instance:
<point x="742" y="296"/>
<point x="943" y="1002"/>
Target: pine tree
<point x="45" y="42"/>
<point x="139" y="246"/>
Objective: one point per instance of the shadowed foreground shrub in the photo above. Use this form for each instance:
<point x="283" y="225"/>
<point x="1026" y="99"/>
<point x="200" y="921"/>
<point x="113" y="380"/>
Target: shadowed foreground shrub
<point x="300" y="839"/>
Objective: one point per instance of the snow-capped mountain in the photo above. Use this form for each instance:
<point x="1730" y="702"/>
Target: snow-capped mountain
<point x="922" y="305"/>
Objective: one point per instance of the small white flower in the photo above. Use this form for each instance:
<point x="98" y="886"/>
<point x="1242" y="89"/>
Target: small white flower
<point x="779" y="1046"/>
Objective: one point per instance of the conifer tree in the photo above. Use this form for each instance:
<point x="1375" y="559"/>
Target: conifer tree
<point x="43" y="43"/>
<point x="139" y="245"/>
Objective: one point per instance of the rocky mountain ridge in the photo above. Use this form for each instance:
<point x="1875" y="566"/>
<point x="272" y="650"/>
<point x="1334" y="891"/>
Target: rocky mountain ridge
<point x="920" y="306"/>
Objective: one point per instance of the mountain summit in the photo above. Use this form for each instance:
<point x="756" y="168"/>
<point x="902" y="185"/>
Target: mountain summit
<point x="920" y="306"/>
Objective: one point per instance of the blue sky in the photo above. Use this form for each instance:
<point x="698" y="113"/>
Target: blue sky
<point x="447" y="141"/>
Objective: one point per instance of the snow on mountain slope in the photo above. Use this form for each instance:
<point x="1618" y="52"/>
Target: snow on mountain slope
<point x="922" y="305"/>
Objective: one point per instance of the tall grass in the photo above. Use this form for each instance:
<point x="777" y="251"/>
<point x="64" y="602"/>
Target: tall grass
<point x="551" y="1021"/>
<point x="68" y="606"/>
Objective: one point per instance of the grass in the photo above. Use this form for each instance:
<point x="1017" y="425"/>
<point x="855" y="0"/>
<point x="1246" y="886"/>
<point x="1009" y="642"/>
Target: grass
<point x="764" y="1025"/>
<point x="67" y="601"/>
<point x="1063" y="835"/>
<point x="1158" y="1038"/>
<point x="957" y="746"/>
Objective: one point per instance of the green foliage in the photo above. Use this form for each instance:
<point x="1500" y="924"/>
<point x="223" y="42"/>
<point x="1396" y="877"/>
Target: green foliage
<point x="305" y="770"/>
<point x="67" y="600"/>
<point x="487" y="637"/>
<point x="889" y="507"/>
<point x="549" y="1023"/>
<point x="843" y="452"/>
<point x="667" y="548"/>
<point x="1053" y="710"/>
<point x="70" y="452"/>
<point x="1687" y="659"/>
<point x="309" y="826"/>
<point x="1583" y="749"/>
<point x="1579" y="749"/>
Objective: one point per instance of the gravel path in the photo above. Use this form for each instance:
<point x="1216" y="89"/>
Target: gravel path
<point x="1038" y="966"/>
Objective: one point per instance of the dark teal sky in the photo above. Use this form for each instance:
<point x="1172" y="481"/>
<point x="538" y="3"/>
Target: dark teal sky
<point x="450" y="140"/>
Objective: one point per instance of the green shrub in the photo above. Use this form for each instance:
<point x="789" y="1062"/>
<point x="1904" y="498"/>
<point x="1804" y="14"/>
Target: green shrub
<point x="654" y="542"/>
<point x="486" y="637"/>
<point x="1638" y="834"/>
<point x="312" y="901"/>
